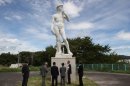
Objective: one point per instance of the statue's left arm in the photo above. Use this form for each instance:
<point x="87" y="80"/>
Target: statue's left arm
<point x="66" y="16"/>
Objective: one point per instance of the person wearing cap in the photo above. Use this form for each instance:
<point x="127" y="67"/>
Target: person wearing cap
<point x="43" y="72"/>
<point x="57" y="29"/>
<point x="62" y="74"/>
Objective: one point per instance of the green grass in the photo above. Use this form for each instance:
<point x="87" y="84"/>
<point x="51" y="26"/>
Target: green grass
<point x="110" y="71"/>
<point x="120" y="71"/>
<point x="36" y="81"/>
<point x="7" y="69"/>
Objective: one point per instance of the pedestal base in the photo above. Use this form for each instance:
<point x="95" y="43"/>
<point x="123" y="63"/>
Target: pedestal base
<point x="64" y="59"/>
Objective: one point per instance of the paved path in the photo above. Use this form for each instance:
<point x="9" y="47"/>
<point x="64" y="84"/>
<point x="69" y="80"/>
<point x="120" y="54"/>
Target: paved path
<point x="109" y="79"/>
<point x="11" y="79"/>
<point x="103" y="79"/>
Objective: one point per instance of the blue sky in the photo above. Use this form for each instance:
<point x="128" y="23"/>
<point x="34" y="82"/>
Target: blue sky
<point x="25" y="24"/>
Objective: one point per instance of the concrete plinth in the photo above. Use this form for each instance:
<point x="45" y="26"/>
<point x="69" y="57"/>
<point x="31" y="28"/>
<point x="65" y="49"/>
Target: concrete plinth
<point x="64" y="59"/>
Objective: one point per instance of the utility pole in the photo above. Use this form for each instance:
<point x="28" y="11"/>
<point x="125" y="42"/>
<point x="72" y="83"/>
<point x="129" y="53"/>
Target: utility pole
<point x="18" y="58"/>
<point x="32" y="58"/>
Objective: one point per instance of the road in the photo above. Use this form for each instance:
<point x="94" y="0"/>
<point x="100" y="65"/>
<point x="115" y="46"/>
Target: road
<point x="12" y="79"/>
<point x="103" y="79"/>
<point x="109" y="79"/>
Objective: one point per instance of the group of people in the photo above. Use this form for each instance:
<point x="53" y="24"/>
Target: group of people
<point x="55" y="72"/>
<point x="62" y="71"/>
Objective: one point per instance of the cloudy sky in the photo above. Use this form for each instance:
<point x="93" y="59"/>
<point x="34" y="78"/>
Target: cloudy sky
<point x="25" y="24"/>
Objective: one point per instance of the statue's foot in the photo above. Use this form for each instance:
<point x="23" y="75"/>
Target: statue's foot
<point x="58" y="52"/>
<point x="70" y="53"/>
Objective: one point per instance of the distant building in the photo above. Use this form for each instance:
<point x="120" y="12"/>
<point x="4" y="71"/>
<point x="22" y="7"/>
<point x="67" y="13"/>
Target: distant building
<point x="15" y="65"/>
<point x="125" y="59"/>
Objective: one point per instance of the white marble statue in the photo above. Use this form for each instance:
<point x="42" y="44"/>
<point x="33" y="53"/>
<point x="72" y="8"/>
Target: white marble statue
<point x="57" y="28"/>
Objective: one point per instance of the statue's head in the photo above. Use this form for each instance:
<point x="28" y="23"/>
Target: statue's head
<point x="59" y="7"/>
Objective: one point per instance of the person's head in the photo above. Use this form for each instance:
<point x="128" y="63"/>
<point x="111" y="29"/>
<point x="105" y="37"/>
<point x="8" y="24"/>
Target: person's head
<point x="68" y="62"/>
<point x="59" y="8"/>
<point x="62" y="64"/>
<point x="80" y="62"/>
<point x="25" y="64"/>
<point x="45" y="63"/>
<point x="54" y="63"/>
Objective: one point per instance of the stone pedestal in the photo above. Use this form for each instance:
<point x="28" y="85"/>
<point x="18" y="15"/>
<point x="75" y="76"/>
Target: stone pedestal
<point x="64" y="58"/>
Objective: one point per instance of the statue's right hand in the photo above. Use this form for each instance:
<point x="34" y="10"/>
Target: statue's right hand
<point x="53" y="32"/>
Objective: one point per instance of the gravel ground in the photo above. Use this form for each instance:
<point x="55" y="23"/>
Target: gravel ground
<point x="11" y="79"/>
<point x="103" y="79"/>
<point x="109" y="79"/>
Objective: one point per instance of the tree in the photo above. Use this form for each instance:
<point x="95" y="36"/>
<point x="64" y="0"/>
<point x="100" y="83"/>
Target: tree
<point x="8" y="59"/>
<point x="50" y="52"/>
<point x="24" y="56"/>
<point x="87" y="52"/>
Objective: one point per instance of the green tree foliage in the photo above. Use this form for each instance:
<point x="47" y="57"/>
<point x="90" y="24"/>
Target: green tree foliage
<point x="7" y="59"/>
<point x="50" y="52"/>
<point x="24" y="56"/>
<point x="39" y="57"/>
<point x="87" y="52"/>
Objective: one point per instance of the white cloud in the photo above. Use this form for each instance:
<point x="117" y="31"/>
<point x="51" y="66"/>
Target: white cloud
<point x="13" y="17"/>
<point x="4" y="2"/>
<point x="10" y="40"/>
<point x="72" y="9"/>
<point x="10" y="43"/>
<point x="7" y="18"/>
<point x="123" y="35"/>
<point x="18" y="17"/>
<point x="40" y="11"/>
<point x="104" y="16"/>
<point x="93" y="1"/>
<point x="14" y="45"/>
<point x="122" y="50"/>
<point x="121" y="47"/>
<point x="40" y="6"/>
<point x="38" y="33"/>
<point x="81" y="26"/>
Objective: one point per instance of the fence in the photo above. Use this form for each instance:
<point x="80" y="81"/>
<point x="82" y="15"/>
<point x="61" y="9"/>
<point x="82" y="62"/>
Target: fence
<point x="107" y="67"/>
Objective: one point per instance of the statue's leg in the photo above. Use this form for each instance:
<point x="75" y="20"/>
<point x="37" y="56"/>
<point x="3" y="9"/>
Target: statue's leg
<point x="58" y="42"/>
<point x="62" y="32"/>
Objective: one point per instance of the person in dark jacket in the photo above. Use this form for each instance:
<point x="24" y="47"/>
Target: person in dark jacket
<point x="80" y="73"/>
<point x="43" y="71"/>
<point x="25" y="73"/>
<point x="54" y="74"/>
<point x="62" y="74"/>
<point x="69" y="72"/>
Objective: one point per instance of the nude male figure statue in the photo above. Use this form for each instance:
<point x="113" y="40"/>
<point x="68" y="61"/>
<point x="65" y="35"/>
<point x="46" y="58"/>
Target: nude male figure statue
<point x="57" y="28"/>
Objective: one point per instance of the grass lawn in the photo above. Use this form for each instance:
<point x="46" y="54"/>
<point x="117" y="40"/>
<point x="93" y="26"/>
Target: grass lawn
<point x="7" y="69"/>
<point x="36" y="81"/>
